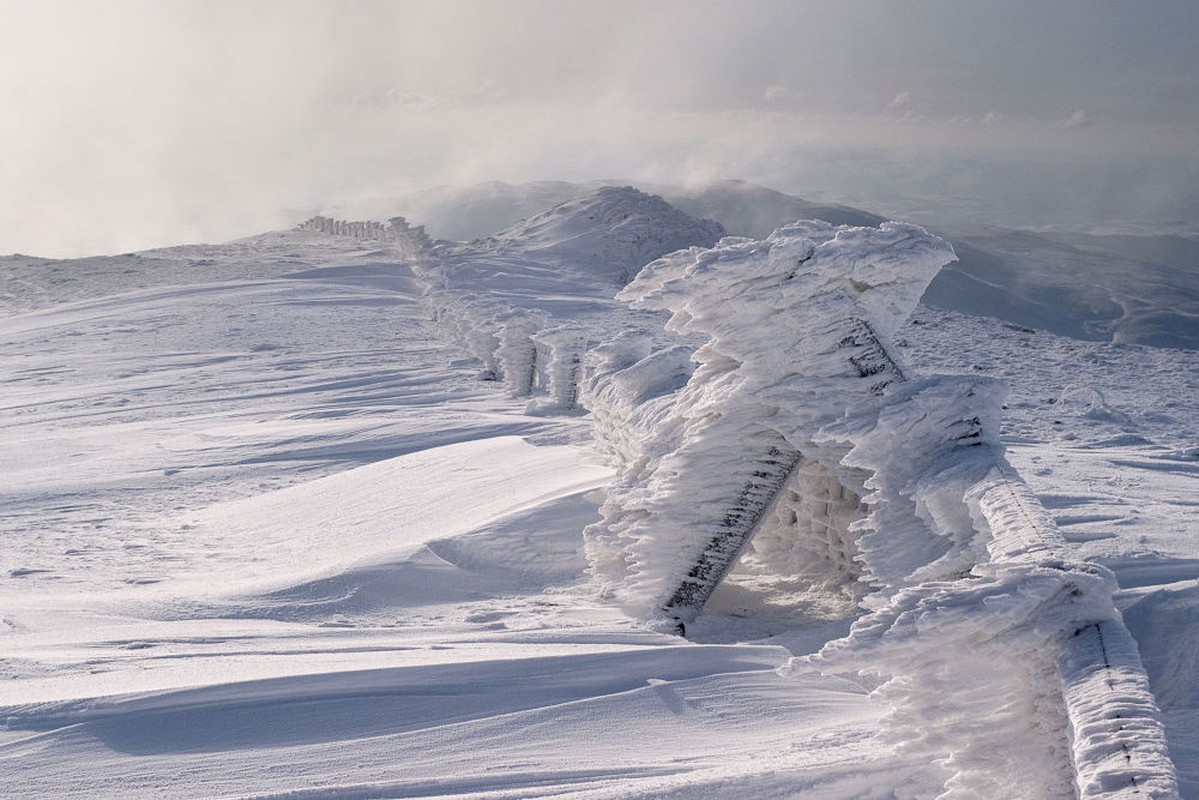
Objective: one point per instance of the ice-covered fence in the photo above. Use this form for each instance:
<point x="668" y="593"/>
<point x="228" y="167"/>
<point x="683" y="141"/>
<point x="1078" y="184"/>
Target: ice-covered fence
<point x="630" y="393"/>
<point x="475" y="324"/>
<point x="800" y="420"/>
<point x="499" y="336"/>
<point x="565" y="346"/>
<point x="980" y="600"/>
<point x="410" y="240"/>
<point x="511" y="346"/>
<point x="797" y="329"/>
<point x="1118" y="743"/>
<point x="517" y="352"/>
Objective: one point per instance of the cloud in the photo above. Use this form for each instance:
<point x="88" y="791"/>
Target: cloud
<point x="397" y="98"/>
<point x="138" y="122"/>
<point x="776" y="93"/>
<point x="1079" y="119"/>
<point x="900" y="100"/>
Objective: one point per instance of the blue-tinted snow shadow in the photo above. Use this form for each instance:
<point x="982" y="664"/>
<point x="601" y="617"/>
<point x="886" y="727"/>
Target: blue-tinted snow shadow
<point x="396" y="278"/>
<point x="519" y="555"/>
<point x="1135" y="573"/>
<point x="346" y="706"/>
<point x="369" y="447"/>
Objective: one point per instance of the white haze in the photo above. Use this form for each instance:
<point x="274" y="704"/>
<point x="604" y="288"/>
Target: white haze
<point x="133" y="123"/>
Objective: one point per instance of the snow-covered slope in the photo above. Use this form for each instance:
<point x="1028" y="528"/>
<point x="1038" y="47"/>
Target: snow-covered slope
<point x="610" y="233"/>
<point x="1081" y="291"/>
<point x="266" y="534"/>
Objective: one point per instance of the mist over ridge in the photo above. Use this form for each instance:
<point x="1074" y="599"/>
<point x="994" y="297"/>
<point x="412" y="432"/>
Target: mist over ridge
<point x="135" y="124"/>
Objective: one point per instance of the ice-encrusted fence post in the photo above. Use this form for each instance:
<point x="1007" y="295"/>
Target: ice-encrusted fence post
<point x="798" y="328"/>
<point x="1117" y="741"/>
<point x="977" y="592"/>
<point x="410" y="241"/>
<point x="517" y="353"/>
<point x="974" y="592"/>
<point x="473" y="324"/>
<point x="565" y="369"/>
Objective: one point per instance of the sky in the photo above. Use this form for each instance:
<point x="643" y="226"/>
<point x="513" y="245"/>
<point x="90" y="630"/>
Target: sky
<point x="133" y="123"/>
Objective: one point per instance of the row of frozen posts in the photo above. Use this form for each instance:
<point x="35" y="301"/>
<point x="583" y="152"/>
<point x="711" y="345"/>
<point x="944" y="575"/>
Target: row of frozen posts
<point x="1117" y="740"/>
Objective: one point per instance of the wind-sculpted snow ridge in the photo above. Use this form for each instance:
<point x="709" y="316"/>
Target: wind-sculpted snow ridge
<point x="1002" y="660"/>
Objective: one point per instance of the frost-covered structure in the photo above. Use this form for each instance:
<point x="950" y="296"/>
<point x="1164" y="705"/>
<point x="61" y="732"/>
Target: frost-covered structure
<point x="798" y="327"/>
<point x="519" y="301"/>
<point x="517" y="351"/>
<point x="409" y="240"/>
<point x="563" y="346"/>
<point x="797" y="425"/>
<point x="992" y="611"/>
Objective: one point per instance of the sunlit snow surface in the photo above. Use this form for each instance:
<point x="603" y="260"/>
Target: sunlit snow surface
<point x="265" y="533"/>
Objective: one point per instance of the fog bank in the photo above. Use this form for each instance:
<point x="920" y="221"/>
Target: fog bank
<point x="135" y="123"/>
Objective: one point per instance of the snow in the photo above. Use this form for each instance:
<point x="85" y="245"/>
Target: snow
<point x="266" y="534"/>
<point x="777" y="366"/>
<point x="1132" y="289"/>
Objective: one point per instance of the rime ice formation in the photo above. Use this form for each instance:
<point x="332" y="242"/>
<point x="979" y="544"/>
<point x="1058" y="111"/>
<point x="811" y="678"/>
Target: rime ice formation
<point x="253" y="485"/>
<point x="517" y="352"/>
<point x="992" y="600"/>
<point x="409" y="240"/>
<point x="565" y="346"/>
<point x="798" y="326"/>
<point x="801" y="422"/>
<point x="502" y="298"/>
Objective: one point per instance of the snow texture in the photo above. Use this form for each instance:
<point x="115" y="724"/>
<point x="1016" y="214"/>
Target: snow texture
<point x="266" y="534"/>
<point x="797" y="327"/>
<point x="998" y="602"/>
<point x="800" y="413"/>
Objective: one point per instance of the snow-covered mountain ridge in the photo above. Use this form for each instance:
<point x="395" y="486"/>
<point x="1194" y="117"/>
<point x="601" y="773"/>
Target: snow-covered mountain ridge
<point x="1139" y="290"/>
<point x="322" y="549"/>
<point x="613" y="232"/>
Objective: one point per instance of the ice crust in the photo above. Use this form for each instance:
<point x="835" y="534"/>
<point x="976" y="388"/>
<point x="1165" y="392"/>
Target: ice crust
<point x="1000" y="615"/>
<point x="799" y="420"/>
<point x="797" y="326"/>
